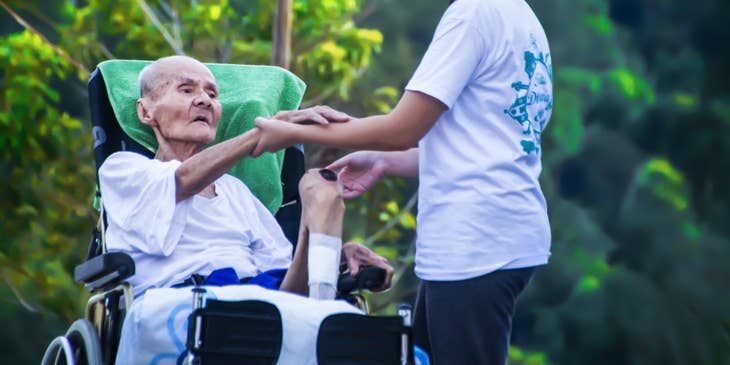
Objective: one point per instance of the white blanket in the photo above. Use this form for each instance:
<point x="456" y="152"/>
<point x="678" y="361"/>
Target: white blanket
<point x="155" y="328"/>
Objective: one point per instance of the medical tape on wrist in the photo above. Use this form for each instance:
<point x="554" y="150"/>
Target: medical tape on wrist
<point x="322" y="291"/>
<point x="323" y="259"/>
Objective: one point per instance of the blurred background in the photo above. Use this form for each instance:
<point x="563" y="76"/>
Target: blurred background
<point x="636" y="157"/>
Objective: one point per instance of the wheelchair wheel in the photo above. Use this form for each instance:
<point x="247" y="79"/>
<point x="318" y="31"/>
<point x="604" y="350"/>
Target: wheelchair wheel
<point x="80" y="346"/>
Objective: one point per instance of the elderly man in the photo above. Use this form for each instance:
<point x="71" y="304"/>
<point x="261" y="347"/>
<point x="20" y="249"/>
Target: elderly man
<point x="180" y="216"/>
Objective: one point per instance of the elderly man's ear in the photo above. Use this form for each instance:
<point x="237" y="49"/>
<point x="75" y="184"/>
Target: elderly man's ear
<point x="143" y="113"/>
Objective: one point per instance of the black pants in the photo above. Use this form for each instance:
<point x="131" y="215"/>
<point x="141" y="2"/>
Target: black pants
<point x="468" y="321"/>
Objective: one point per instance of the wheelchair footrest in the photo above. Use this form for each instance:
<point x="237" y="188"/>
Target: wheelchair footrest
<point x="224" y="332"/>
<point x="348" y="339"/>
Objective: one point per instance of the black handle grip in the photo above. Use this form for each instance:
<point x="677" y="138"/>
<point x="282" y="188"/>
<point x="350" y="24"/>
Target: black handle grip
<point x="369" y="277"/>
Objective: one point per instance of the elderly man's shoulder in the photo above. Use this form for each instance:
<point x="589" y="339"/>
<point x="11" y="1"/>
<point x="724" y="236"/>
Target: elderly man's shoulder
<point x="125" y="163"/>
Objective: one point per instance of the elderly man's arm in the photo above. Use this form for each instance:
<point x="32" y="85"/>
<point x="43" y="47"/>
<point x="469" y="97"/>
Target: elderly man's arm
<point x="323" y="210"/>
<point x="322" y="213"/>
<point x="296" y="278"/>
<point x="203" y="168"/>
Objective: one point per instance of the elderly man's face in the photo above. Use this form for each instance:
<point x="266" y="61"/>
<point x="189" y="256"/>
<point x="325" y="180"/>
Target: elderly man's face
<point x="186" y="108"/>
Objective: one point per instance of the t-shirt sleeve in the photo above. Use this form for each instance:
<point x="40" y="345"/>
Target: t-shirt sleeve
<point x="139" y="198"/>
<point x="452" y="57"/>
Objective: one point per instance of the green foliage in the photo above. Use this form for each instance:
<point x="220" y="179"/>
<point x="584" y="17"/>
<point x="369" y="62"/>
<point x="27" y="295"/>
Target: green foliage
<point x="665" y="182"/>
<point x="47" y="189"/>
<point x="638" y="248"/>
<point x="329" y="47"/>
<point x="517" y="356"/>
<point x="328" y="50"/>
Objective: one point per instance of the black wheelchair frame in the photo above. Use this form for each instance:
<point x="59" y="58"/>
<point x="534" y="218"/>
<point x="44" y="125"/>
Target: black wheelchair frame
<point x="219" y="332"/>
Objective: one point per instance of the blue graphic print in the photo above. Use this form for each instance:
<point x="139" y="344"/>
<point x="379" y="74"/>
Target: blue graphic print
<point x="534" y="102"/>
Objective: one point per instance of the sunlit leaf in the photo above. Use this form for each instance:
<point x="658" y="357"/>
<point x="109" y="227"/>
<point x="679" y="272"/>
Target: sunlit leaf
<point x="588" y="284"/>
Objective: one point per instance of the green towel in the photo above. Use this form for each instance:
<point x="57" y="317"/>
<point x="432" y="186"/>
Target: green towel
<point x="246" y="92"/>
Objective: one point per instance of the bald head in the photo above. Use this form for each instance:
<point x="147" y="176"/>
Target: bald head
<point x="179" y="100"/>
<point x="159" y="74"/>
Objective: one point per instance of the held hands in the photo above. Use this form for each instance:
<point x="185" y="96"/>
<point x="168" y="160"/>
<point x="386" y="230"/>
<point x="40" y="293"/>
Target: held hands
<point x="273" y="135"/>
<point x="276" y="135"/>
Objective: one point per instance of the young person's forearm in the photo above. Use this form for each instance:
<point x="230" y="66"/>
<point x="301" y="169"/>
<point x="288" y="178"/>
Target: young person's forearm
<point x="399" y="130"/>
<point x="374" y="133"/>
<point x="203" y="168"/>
<point x="402" y="163"/>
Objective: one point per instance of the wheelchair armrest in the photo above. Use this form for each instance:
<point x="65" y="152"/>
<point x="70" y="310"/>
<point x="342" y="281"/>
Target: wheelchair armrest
<point x="105" y="269"/>
<point x="369" y="277"/>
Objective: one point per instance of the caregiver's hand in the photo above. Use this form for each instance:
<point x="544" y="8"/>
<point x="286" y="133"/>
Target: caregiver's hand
<point x="320" y="114"/>
<point x="360" y="171"/>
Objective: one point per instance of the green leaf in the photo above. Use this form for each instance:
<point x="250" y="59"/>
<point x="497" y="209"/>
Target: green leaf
<point x="408" y="221"/>
<point x="588" y="283"/>
<point x="666" y="182"/>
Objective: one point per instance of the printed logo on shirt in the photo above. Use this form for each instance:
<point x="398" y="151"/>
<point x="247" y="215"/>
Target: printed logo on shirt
<point x="534" y="102"/>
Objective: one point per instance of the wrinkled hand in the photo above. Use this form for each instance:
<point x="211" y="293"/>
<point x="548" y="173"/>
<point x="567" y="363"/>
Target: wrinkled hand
<point x="322" y="205"/>
<point x="276" y="135"/>
<point x="320" y="114"/>
<point x="273" y="135"/>
<point x="359" y="171"/>
<point x="358" y="256"/>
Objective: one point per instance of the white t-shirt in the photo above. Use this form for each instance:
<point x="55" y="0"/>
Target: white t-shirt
<point x="170" y="241"/>
<point x="480" y="204"/>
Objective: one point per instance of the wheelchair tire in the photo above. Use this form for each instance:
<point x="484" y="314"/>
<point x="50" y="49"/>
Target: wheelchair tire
<point x="59" y="346"/>
<point x="85" y="341"/>
<point x="79" y="346"/>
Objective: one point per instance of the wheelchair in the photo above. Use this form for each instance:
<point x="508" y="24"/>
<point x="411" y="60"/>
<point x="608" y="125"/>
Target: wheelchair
<point x="219" y="331"/>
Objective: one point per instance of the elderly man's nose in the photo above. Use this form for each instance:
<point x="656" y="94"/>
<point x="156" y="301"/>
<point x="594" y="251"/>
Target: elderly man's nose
<point x="203" y="100"/>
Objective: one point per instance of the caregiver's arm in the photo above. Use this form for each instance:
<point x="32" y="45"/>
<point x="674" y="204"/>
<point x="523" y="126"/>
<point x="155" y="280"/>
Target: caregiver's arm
<point x="401" y="129"/>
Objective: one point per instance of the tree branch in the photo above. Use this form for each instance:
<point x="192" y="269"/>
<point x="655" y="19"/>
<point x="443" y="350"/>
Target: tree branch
<point x="319" y="98"/>
<point x="176" y="24"/>
<point x="55" y="48"/>
<point x="392" y="222"/>
<point x="176" y="46"/>
<point x="23" y="302"/>
<point x="106" y="52"/>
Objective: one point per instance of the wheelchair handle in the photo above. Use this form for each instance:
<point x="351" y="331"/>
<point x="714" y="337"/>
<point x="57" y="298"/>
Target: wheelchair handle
<point x="369" y="278"/>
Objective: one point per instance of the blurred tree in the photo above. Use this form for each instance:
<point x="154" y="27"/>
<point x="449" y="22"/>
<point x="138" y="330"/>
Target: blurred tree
<point x="45" y="194"/>
<point x="632" y="166"/>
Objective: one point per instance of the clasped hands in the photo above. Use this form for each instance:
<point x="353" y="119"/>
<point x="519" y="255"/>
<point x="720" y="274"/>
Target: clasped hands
<point x="275" y="135"/>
